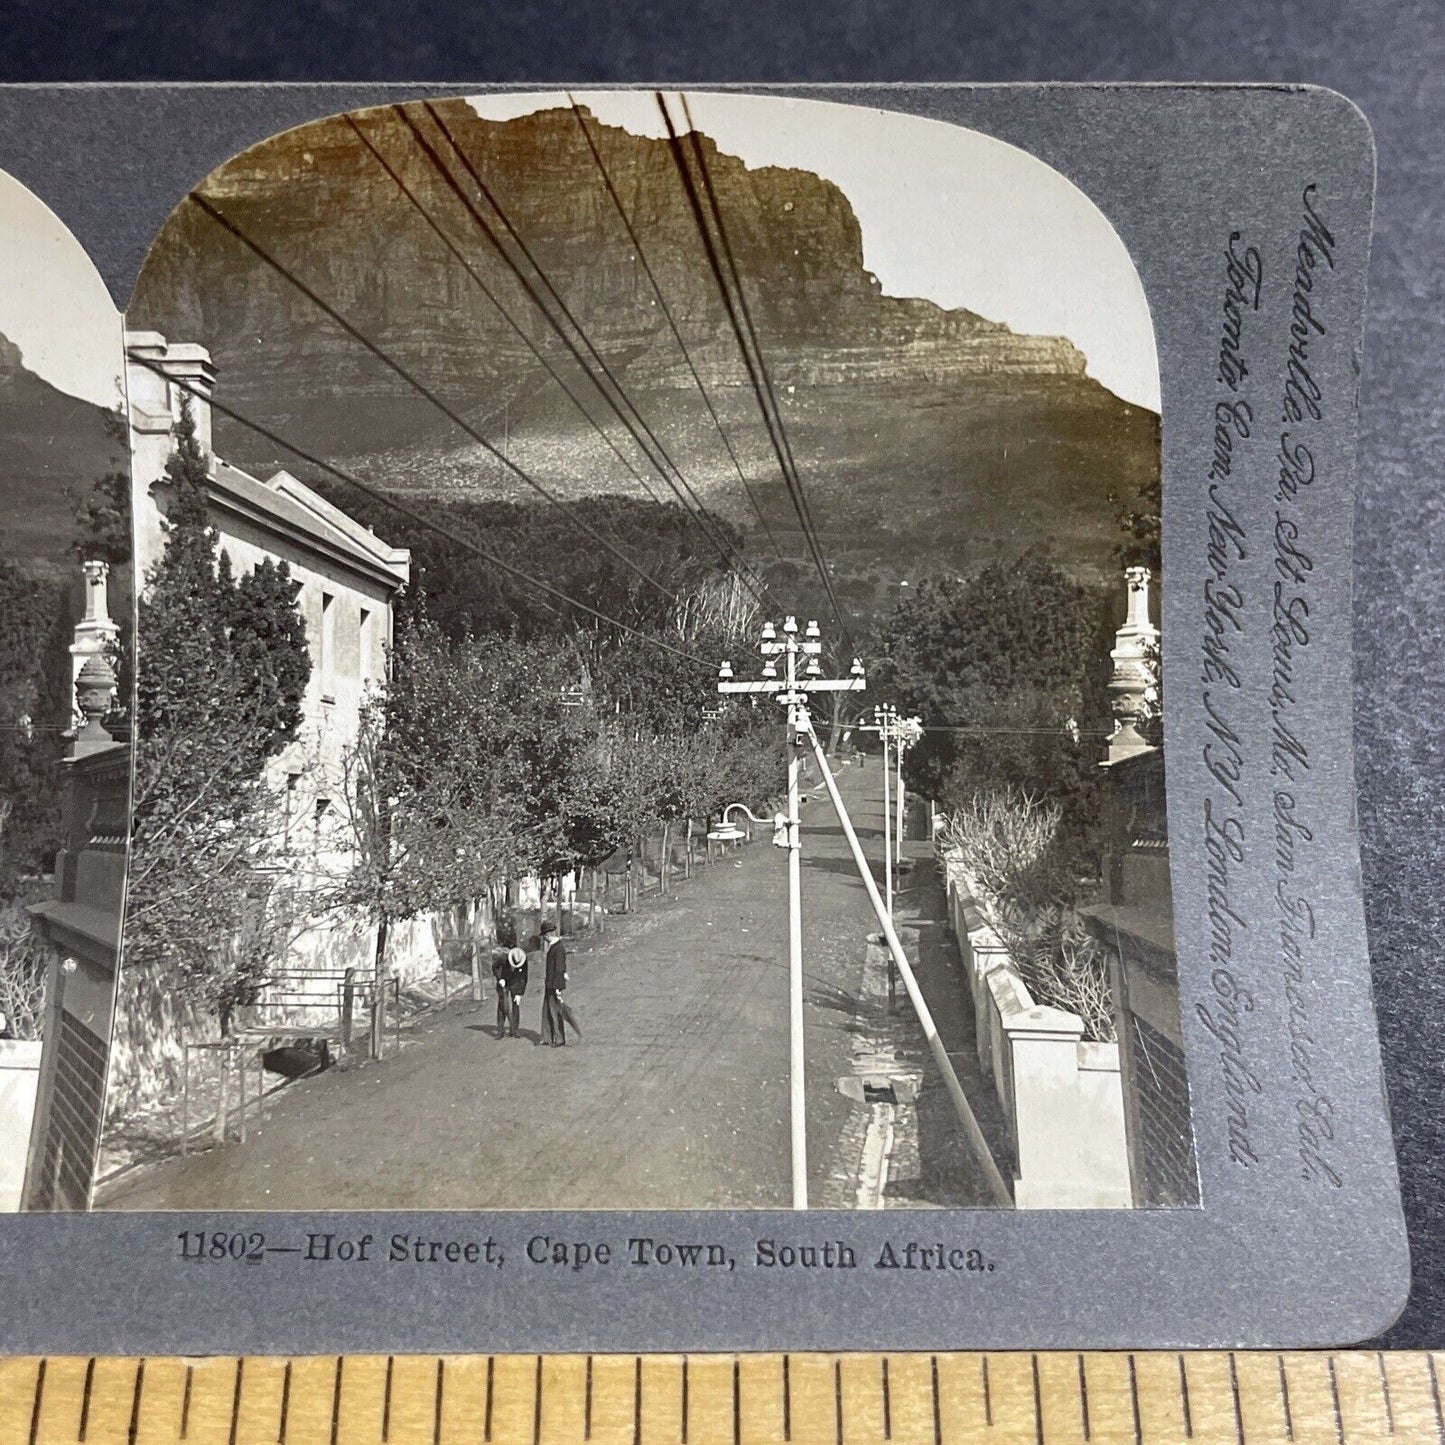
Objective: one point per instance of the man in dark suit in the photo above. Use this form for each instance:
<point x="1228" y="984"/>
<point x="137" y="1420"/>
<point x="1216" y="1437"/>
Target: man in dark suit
<point x="554" y="1028"/>
<point x="510" y="972"/>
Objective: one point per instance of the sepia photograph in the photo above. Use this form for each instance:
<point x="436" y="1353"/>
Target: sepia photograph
<point x="647" y="686"/>
<point x="65" y="631"/>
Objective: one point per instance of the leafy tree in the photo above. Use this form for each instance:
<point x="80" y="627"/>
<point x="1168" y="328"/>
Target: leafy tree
<point x="34" y="711"/>
<point x="1140" y="520"/>
<point x="1010" y="657"/>
<point x="461" y="774"/>
<point x="103" y="515"/>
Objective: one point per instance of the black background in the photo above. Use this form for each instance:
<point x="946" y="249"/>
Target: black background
<point x="1390" y="58"/>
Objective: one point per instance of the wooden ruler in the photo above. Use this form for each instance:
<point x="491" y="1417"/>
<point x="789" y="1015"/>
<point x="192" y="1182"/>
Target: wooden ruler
<point x="915" y="1399"/>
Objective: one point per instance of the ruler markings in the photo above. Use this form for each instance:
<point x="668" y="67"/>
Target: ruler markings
<point x="1210" y="1399"/>
<point x="1359" y="1385"/>
<point x="1038" y="1403"/>
<point x="39" y="1399"/>
<point x="788" y="1400"/>
<point x="132" y="1434"/>
<point x="236" y="1399"/>
<point x="1234" y="1396"/>
<point x="389" y="1398"/>
<point x="1134" y="1401"/>
<point x="1385" y="1391"/>
<point x="1015" y="1404"/>
<point x="436" y="1433"/>
<point x="108" y="1400"/>
<point x="336" y="1398"/>
<point x="1435" y="1395"/>
<point x="1086" y="1398"/>
<point x="85" y="1400"/>
<point x="1284" y="1399"/>
<point x="309" y="1405"/>
<point x="1158" y="1400"/>
<point x="937" y="1412"/>
<point x="160" y="1402"/>
<point x="1109" y="1418"/>
<point x="1254" y="1379"/>
<point x="1335" y="1402"/>
<point x="285" y="1405"/>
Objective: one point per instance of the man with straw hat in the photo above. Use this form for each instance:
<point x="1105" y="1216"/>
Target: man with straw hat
<point x="510" y="972"/>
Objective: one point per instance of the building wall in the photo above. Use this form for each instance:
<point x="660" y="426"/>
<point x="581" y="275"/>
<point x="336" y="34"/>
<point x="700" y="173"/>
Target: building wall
<point x="332" y="601"/>
<point x="19" y="1082"/>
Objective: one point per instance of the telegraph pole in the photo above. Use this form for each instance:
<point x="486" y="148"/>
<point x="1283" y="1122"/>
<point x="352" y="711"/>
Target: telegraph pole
<point x="907" y="733"/>
<point x="792" y="689"/>
<point x="885" y="719"/>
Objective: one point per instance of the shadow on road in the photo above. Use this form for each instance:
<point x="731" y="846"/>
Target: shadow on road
<point x="491" y="1031"/>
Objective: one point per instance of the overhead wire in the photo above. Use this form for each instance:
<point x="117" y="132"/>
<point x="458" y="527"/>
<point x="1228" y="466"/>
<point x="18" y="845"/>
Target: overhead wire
<point x="814" y="542"/>
<point x="621" y="403"/>
<point x="762" y="389"/>
<point x="225" y="222"/>
<point x="668" y="316"/>
<point x="431" y="524"/>
<point x="725" y="243"/>
<point x="491" y="296"/>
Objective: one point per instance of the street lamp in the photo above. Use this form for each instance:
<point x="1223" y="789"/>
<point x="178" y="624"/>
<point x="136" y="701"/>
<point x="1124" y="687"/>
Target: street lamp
<point x="729" y="832"/>
<point x="792" y="691"/>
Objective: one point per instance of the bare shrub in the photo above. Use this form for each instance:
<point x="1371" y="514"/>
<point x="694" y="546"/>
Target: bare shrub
<point x="1006" y="842"/>
<point x="24" y="960"/>
<point x="1061" y="963"/>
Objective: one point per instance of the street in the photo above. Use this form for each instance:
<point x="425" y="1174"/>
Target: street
<point x="676" y="1094"/>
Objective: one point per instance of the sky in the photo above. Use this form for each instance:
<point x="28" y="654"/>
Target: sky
<point x="947" y="213"/>
<point x="53" y="304"/>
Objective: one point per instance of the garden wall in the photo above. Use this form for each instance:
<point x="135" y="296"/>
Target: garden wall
<point x="1062" y="1097"/>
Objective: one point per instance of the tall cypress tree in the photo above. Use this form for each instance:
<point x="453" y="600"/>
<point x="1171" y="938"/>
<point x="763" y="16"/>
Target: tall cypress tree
<point x="222" y="669"/>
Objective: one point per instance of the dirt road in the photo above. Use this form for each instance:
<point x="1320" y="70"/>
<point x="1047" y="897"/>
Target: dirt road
<point x="675" y="1096"/>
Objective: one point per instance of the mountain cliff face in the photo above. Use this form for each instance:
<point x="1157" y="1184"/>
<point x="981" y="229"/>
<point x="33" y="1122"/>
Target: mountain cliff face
<point x="51" y="443"/>
<point x="887" y="399"/>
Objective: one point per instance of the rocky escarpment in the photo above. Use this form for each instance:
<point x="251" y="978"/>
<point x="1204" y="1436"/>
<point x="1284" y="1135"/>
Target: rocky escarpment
<point x="320" y="201"/>
<point x="895" y="408"/>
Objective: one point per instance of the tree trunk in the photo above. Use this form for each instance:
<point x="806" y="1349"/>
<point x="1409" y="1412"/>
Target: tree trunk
<point x="835" y="725"/>
<point x="378" y="997"/>
<point x="666" y="864"/>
